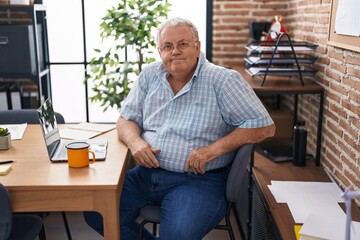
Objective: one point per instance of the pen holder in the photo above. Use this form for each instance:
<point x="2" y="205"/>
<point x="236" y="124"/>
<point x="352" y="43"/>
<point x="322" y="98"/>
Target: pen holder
<point x="5" y="142"/>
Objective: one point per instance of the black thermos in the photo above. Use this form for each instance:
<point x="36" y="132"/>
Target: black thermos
<point x="299" y="144"/>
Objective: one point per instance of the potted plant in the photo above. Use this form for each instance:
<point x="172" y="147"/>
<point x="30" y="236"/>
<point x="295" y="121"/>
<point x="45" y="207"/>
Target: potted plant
<point x="5" y="139"/>
<point x="130" y="25"/>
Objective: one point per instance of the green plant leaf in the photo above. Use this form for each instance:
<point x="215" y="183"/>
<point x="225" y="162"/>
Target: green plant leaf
<point x="129" y="24"/>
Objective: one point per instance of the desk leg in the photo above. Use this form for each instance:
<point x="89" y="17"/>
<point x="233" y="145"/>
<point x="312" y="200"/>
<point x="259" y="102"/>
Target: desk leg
<point x="319" y="130"/>
<point x="107" y="204"/>
<point x="296" y="104"/>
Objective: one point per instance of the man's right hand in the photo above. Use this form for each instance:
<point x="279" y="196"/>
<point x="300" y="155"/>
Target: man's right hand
<point x="144" y="154"/>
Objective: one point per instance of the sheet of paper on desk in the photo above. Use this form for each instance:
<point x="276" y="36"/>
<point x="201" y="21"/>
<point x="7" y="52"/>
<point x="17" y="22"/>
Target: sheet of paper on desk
<point x="16" y="130"/>
<point x="304" y="198"/>
<point x="283" y="191"/>
<point x="77" y="134"/>
<point x="83" y="131"/>
<point x="327" y="227"/>
<point x="97" y="127"/>
<point x="302" y="207"/>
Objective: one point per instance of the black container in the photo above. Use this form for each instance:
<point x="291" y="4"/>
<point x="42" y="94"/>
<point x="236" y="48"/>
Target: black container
<point x="17" y="49"/>
<point x="299" y="144"/>
<point x="257" y="28"/>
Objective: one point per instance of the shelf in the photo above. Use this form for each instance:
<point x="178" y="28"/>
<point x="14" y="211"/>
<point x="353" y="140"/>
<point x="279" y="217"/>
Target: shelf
<point x="262" y="71"/>
<point x="283" y="60"/>
<point x="278" y="58"/>
<point x="283" y="46"/>
<point x="37" y="40"/>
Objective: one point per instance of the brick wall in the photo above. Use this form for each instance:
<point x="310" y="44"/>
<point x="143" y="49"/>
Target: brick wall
<point x="338" y="72"/>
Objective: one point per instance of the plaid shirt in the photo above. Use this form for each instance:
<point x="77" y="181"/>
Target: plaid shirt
<point x="215" y="102"/>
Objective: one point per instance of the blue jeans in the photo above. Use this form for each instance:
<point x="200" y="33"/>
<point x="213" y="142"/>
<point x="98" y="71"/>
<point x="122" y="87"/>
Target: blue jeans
<point x="191" y="205"/>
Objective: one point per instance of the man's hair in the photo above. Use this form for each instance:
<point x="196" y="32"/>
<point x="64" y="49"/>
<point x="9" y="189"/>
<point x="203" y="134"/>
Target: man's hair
<point x="173" y="22"/>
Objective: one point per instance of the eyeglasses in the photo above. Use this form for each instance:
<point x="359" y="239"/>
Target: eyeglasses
<point x="169" y="47"/>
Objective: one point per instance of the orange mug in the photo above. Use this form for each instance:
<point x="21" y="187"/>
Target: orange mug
<point x="78" y="154"/>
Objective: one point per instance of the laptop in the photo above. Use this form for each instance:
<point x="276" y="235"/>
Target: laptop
<point x="277" y="150"/>
<point x="56" y="146"/>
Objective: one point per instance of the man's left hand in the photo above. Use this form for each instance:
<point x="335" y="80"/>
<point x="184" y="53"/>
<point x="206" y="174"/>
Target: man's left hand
<point x="197" y="160"/>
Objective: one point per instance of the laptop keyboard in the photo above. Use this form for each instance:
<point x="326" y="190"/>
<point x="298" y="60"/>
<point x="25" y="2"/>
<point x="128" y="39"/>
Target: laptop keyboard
<point x="63" y="151"/>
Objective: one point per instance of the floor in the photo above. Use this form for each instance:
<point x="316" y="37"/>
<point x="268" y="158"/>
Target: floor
<point x="55" y="230"/>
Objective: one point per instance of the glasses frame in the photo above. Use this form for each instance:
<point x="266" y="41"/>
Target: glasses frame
<point x="180" y="46"/>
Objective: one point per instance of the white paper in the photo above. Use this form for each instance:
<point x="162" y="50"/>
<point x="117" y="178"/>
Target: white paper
<point x="284" y="191"/>
<point x="328" y="227"/>
<point x="77" y="134"/>
<point x="347" y="20"/>
<point x="83" y="131"/>
<point x="16" y="130"/>
<point x="301" y="208"/>
<point x="97" y="127"/>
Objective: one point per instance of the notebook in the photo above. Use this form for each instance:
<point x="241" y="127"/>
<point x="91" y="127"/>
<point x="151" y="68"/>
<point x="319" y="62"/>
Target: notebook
<point x="56" y="146"/>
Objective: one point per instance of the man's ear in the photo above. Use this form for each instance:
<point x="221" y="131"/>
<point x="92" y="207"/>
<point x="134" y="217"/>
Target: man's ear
<point x="198" y="45"/>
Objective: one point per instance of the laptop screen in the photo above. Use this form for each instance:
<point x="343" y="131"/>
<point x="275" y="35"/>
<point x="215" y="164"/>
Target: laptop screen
<point x="49" y="126"/>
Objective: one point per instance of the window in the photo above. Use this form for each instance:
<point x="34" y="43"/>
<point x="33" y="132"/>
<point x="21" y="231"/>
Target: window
<point x="73" y="36"/>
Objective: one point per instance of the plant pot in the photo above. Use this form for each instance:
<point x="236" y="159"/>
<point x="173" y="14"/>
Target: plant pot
<point x="5" y="142"/>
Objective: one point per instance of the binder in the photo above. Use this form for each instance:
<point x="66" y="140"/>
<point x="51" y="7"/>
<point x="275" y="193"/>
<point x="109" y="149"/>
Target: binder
<point x="15" y="96"/>
<point x="4" y="98"/>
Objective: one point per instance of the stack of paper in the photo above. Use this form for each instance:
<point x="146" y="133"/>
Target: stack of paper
<point x="329" y="227"/>
<point x="316" y="205"/>
<point x="16" y="130"/>
<point x="304" y="198"/>
<point x="5" y="169"/>
<point x="83" y="131"/>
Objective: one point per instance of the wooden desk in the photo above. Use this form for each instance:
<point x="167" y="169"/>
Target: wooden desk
<point x="265" y="170"/>
<point x="37" y="185"/>
<point x="276" y="85"/>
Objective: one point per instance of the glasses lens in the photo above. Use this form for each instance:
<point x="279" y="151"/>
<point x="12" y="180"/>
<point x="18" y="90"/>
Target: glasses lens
<point x="170" y="47"/>
<point x="167" y="48"/>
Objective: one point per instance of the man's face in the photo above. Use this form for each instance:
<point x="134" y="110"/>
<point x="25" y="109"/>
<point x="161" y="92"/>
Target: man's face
<point x="178" y="50"/>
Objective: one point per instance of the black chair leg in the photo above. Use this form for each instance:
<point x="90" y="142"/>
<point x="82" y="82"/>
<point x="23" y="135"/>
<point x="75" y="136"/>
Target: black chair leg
<point x="154" y="229"/>
<point x="229" y="227"/>
<point x="142" y="227"/>
<point x="68" y="233"/>
<point x="42" y="235"/>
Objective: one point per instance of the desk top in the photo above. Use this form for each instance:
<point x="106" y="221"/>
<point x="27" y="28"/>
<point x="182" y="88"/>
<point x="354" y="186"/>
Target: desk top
<point x="266" y="170"/>
<point x="280" y="84"/>
<point x="33" y="170"/>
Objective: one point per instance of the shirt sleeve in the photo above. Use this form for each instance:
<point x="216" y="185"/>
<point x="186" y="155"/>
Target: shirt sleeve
<point x="132" y="107"/>
<point x="239" y="104"/>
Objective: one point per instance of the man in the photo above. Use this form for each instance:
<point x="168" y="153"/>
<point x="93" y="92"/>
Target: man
<point x="182" y="121"/>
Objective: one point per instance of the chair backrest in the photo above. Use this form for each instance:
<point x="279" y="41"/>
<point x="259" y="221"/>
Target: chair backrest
<point x="5" y="213"/>
<point x="24" y="115"/>
<point x="238" y="175"/>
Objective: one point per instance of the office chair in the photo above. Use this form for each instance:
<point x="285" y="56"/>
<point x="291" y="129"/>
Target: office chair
<point x="16" y="226"/>
<point x="234" y="191"/>
<point x="19" y="116"/>
<point x="30" y="116"/>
